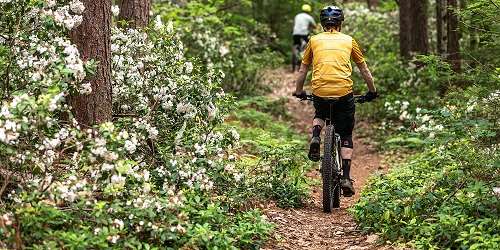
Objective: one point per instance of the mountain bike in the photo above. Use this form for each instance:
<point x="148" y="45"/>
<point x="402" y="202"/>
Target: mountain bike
<point x="331" y="165"/>
<point x="298" y="53"/>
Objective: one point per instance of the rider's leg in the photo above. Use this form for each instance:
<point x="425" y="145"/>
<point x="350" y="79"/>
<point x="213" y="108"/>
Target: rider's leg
<point x="314" y="147"/>
<point x="344" y="123"/>
<point x="318" y="124"/>
<point x="346" y="151"/>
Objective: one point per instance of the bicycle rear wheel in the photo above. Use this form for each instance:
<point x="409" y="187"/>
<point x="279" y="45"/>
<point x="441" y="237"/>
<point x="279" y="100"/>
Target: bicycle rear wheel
<point x="327" y="170"/>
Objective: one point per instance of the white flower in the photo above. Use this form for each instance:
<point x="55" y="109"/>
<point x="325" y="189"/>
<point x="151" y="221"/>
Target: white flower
<point x="113" y="239"/>
<point x="212" y="111"/>
<point x="6" y="217"/>
<point x="118" y="223"/>
<point x="77" y="7"/>
<point x="404" y="115"/>
<point x="432" y="135"/>
<point x="153" y="132"/>
<point x="189" y="67"/>
<point x="115" y="9"/>
<point x="107" y="167"/>
<point x="496" y="191"/>
<point x="187" y="109"/>
<point x="54" y="102"/>
<point x="200" y="150"/>
<point x="238" y="177"/>
<point x="167" y="105"/>
<point x="130" y="146"/>
<point x="85" y="88"/>
<point x="118" y="179"/>
<point x="170" y="27"/>
<point x="50" y="3"/>
<point x="223" y="50"/>
<point x="235" y="134"/>
<point x="110" y="156"/>
<point x="158" y="23"/>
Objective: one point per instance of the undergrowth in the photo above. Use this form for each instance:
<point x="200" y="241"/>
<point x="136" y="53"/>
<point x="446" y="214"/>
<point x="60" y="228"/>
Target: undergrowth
<point x="272" y="151"/>
<point x="445" y="196"/>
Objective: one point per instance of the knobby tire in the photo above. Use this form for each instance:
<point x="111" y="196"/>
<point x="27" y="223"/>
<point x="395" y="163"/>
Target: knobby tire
<point x="327" y="169"/>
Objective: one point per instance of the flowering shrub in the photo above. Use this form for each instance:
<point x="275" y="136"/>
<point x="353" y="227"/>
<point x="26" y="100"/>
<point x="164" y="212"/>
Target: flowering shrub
<point x="154" y="176"/>
<point x="233" y="44"/>
<point x="443" y="196"/>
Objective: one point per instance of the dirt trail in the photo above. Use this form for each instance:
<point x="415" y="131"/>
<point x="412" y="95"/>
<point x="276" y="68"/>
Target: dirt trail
<point x="309" y="227"/>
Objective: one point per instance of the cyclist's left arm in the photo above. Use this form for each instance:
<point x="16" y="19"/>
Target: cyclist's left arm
<point x="299" y="83"/>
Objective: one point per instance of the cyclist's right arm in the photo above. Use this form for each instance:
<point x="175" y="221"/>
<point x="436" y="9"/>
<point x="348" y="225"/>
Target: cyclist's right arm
<point x="304" y="68"/>
<point x="357" y="55"/>
<point x="312" y="24"/>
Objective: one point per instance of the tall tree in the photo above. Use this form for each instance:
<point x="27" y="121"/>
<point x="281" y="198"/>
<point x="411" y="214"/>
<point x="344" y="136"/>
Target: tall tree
<point x="135" y="12"/>
<point x="440" y="26"/>
<point x="453" y="36"/>
<point x="405" y="29"/>
<point x="419" y="27"/>
<point x="93" y="39"/>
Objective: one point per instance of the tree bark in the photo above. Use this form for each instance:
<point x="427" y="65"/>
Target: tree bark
<point x="93" y="39"/>
<point x="405" y="28"/>
<point x="372" y="4"/>
<point x="440" y="6"/>
<point x="135" y="12"/>
<point x="419" y="31"/>
<point x="453" y="36"/>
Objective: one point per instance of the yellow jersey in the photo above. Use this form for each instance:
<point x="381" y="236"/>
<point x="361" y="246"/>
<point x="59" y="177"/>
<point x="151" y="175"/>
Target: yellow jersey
<point x="330" y="54"/>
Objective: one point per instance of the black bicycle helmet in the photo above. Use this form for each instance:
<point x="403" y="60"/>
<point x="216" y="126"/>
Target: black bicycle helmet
<point x="331" y="16"/>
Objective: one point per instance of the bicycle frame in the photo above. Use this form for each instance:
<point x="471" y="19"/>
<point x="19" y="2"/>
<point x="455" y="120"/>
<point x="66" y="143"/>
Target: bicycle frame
<point x="331" y="170"/>
<point x="337" y="140"/>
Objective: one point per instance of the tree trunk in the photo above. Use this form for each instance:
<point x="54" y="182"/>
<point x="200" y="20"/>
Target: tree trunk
<point x="440" y="10"/>
<point x="372" y="4"/>
<point x="135" y="12"/>
<point x="93" y="39"/>
<point x="419" y="31"/>
<point x="405" y="28"/>
<point x="453" y="36"/>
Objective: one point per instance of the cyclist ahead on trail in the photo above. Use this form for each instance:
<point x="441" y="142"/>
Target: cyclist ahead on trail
<point x="303" y="25"/>
<point x="330" y="54"/>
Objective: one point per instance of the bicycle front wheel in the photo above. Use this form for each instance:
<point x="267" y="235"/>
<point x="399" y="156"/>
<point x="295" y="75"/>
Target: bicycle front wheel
<point x="327" y="171"/>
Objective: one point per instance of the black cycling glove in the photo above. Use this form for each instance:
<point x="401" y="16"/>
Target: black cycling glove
<point x="370" y="96"/>
<point x="302" y="95"/>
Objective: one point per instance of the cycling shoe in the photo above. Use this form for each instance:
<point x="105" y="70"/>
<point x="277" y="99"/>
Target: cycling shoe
<point x="347" y="187"/>
<point x="314" y="149"/>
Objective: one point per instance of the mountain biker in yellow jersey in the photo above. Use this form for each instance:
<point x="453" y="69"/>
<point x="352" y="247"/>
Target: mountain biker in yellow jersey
<point x="303" y="25"/>
<point x="330" y="54"/>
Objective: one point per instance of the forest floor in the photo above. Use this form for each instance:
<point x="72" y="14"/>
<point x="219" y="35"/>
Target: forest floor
<point x="308" y="227"/>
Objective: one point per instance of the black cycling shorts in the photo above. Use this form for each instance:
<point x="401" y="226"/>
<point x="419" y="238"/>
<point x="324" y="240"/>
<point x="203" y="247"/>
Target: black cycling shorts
<point x="297" y="39"/>
<point x="342" y="115"/>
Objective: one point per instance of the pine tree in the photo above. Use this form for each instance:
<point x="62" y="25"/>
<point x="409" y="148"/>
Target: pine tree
<point x="93" y="39"/>
<point x="405" y="28"/>
<point x="135" y="12"/>
<point x="419" y="27"/>
<point x="453" y="36"/>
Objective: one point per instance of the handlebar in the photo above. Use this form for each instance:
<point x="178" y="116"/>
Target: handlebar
<point x="309" y="97"/>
